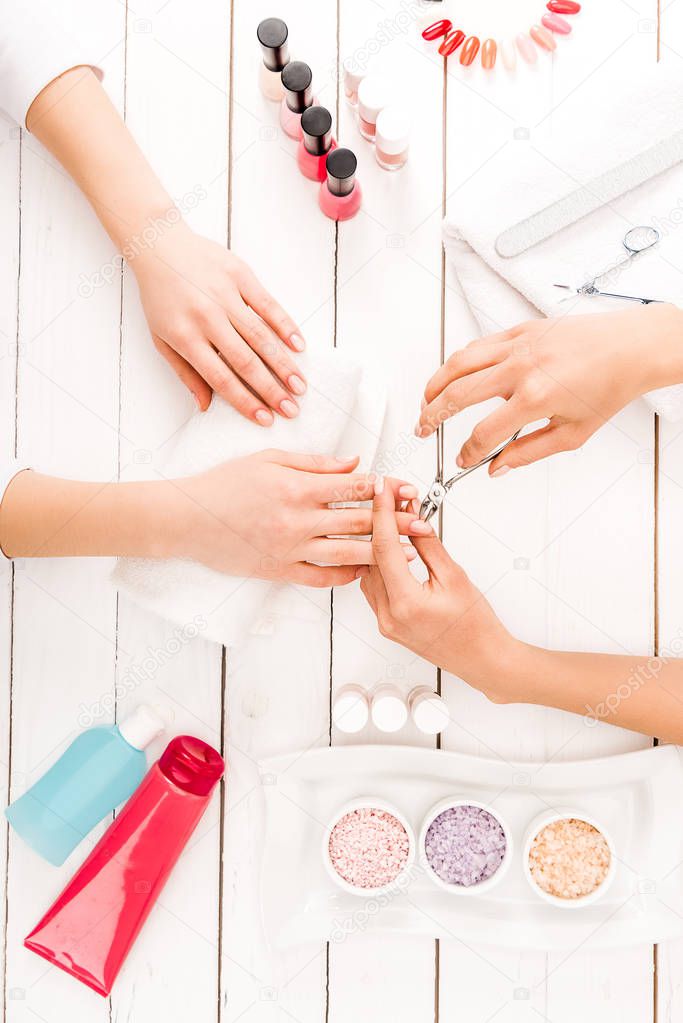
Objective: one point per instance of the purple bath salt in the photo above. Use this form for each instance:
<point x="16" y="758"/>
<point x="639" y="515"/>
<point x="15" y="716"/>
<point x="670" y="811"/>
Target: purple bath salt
<point x="465" y="845"/>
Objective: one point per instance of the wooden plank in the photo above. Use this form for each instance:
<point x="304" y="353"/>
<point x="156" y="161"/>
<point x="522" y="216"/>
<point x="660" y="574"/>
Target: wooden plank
<point x="176" y="65"/>
<point x="277" y="695"/>
<point x="523" y="545"/>
<point x="64" y="612"/>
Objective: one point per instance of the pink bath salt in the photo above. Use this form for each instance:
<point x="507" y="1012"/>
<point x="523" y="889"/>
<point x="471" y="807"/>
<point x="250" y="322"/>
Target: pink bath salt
<point x="465" y="845"/>
<point x="369" y="848"/>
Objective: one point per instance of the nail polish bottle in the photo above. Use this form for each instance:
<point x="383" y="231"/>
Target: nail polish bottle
<point x="388" y="708"/>
<point x="351" y="708"/>
<point x="353" y="76"/>
<point x="340" y="194"/>
<point x="373" y="96"/>
<point x="316" y="143"/>
<point x="392" y="137"/>
<point x="297" y="79"/>
<point x="272" y="35"/>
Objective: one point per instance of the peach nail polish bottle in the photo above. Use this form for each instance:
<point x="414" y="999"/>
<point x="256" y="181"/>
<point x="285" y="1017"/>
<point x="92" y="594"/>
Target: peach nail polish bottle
<point x="340" y="194"/>
<point x="373" y="96"/>
<point x="297" y="82"/>
<point x="316" y="143"/>
<point x="391" y="138"/>
<point x="272" y="35"/>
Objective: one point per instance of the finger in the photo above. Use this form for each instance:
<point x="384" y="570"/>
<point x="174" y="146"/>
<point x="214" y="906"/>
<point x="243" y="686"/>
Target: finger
<point x="435" y="556"/>
<point x="489" y="352"/>
<point x="194" y="381"/>
<point x="534" y="446"/>
<point x="492" y="431"/>
<point x="492" y="382"/>
<point x="225" y="383"/>
<point x="367" y="588"/>
<point x="311" y="463"/>
<point x="386" y="545"/>
<point x="263" y="303"/>
<point x="349" y="552"/>
<point x="269" y="348"/>
<point x="248" y="366"/>
<point x="321" y="576"/>
<point x="338" y="489"/>
<point x="358" y="522"/>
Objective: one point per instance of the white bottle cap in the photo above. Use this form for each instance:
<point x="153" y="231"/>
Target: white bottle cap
<point x="393" y="130"/>
<point x="141" y="727"/>
<point x="373" y="95"/>
<point x="388" y="708"/>
<point x="353" y="75"/>
<point x="429" y="710"/>
<point x="350" y="710"/>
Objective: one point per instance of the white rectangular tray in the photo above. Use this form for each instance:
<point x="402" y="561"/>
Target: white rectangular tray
<point x="637" y="796"/>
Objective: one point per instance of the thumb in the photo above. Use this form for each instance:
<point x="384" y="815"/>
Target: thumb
<point x="534" y="446"/>
<point x="194" y="382"/>
<point x="434" y="554"/>
<point x="313" y="463"/>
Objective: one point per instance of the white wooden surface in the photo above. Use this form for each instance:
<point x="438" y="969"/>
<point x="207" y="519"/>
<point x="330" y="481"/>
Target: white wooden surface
<point x="83" y="393"/>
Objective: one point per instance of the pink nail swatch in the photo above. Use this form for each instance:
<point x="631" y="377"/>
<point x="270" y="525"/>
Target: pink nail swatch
<point x="527" y="50"/>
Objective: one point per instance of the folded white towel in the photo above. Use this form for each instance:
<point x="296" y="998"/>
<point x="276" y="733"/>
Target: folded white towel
<point x="569" y="166"/>
<point x="342" y="413"/>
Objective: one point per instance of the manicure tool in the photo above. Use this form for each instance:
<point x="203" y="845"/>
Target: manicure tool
<point x="636" y="240"/>
<point x="436" y="495"/>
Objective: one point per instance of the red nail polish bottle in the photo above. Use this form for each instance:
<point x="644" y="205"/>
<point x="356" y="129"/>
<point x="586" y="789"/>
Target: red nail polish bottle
<point x="340" y="193"/>
<point x="297" y="79"/>
<point x="316" y="143"/>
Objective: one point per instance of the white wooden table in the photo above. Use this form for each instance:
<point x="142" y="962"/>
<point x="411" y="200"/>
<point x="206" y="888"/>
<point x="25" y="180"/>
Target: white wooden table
<point x="580" y="552"/>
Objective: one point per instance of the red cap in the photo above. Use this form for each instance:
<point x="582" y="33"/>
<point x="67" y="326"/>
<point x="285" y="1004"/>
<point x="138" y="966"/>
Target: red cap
<point x="192" y="764"/>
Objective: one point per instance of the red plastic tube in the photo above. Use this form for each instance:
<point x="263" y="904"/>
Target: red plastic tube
<point x="91" y="927"/>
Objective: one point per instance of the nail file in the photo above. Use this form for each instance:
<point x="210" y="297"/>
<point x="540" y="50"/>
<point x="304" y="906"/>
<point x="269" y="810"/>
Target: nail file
<point x="591" y="196"/>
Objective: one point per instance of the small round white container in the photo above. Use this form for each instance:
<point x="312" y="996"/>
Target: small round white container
<point x="351" y="709"/>
<point x="541" y="822"/>
<point x="474" y="889"/>
<point x="369" y="803"/>
<point x="388" y="708"/>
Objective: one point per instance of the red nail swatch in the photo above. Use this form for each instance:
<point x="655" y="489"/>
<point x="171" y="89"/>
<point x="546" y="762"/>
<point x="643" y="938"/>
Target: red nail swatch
<point x="451" y="42"/>
<point x="438" y="29"/>
<point x="563" y="6"/>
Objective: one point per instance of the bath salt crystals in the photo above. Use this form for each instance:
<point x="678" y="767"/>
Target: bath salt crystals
<point x="465" y="845"/>
<point x="569" y="858"/>
<point x="369" y="848"/>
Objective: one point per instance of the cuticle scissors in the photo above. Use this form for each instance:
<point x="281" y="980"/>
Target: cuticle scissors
<point x="436" y="495"/>
<point x="636" y="241"/>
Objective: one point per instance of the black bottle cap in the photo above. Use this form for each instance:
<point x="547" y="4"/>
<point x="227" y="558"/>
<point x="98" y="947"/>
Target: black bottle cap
<point x="296" y="80"/>
<point x="272" y="35"/>
<point x="341" y="171"/>
<point x="316" y="125"/>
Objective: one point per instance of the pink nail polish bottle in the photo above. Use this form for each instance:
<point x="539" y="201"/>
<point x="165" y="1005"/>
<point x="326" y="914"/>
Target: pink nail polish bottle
<point x="392" y="137"/>
<point x="316" y="143"/>
<point x="373" y="96"/>
<point x="297" y="79"/>
<point x="272" y="35"/>
<point x="340" y="194"/>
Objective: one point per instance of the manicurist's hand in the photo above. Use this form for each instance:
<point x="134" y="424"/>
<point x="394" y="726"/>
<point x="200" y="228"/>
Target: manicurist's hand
<point x="576" y="372"/>
<point x="445" y="619"/>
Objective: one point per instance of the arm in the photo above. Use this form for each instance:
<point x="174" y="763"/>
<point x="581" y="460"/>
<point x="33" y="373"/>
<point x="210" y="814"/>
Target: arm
<point x="208" y="314"/>
<point x="576" y="372"/>
<point x="450" y="623"/>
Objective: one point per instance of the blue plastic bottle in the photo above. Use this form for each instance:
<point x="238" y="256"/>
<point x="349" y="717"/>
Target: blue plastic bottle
<point x="99" y="770"/>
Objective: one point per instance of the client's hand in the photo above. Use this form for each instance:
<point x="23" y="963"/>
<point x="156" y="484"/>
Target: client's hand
<point x="218" y="327"/>
<point x="268" y="515"/>
<point x="446" y="619"/>
<point x="576" y="372"/>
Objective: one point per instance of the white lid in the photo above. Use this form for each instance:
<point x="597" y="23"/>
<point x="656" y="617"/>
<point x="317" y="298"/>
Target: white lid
<point x="393" y="129"/>
<point x="141" y="727"/>
<point x="350" y="710"/>
<point x="373" y="95"/>
<point x="430" y="713"/>
<point x="353" y="75"/>
<point x="389" y="710"/>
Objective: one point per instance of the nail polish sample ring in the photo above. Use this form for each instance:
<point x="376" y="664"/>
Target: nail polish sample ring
<point x="438" y="29"/>
<point x="556" y="24"/>
<point x="563" y="6"/>
<point x="469" y="51"/>
<point x="451" y="42"/>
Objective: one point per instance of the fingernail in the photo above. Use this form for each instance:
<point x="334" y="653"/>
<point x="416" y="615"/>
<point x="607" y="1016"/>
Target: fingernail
<point x="420" y="526"/>
<point x="297" y="342"/>
<point x="409" y="551"/>
<point x="379" y="485"/>
<point x="296" y="384"/>
<point x="460" y="462"/>
<point x="289" y="408"/>
<point x="197" y="401"/>
<point x="263" y="417"/>
<point x="415" y="507"/>
<point x="421" y="431"/>
<point x="501" y="471"/>
<point x="407" y="492"/>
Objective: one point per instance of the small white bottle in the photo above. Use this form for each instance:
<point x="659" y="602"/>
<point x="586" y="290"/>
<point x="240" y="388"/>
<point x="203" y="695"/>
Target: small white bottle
<point x="350" y="708"/>
<point x="353" y="76"/>
<point x="373" y="95"/>
<point x="272" y="35"/>
<point x="429" y="711"/>
<point x="388" y="707"/>
<point x="392" y="135"/>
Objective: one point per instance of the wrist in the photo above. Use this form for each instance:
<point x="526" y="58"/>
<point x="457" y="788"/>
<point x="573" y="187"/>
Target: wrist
<point x="661" y="346"/>
<point x="507" y="671"/>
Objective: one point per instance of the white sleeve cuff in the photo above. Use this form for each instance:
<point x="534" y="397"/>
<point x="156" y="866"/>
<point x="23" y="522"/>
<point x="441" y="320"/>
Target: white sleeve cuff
<point x="7" y="474"/>
<point x="36" y="48"/>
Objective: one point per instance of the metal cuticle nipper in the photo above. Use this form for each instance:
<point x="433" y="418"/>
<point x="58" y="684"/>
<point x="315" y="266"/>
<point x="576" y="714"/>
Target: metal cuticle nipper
<point x="436" y="495"/>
